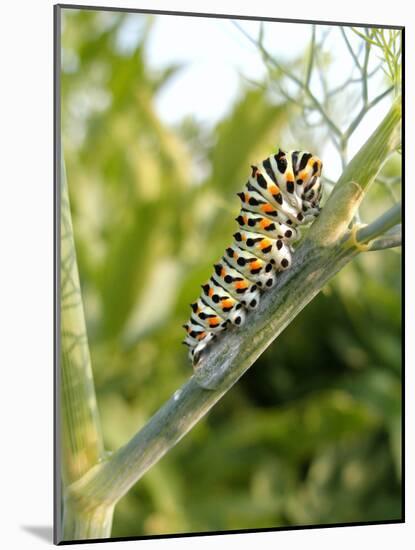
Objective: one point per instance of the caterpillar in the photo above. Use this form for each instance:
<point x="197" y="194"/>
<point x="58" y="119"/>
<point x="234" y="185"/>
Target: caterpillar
<point x="282" y="193"/>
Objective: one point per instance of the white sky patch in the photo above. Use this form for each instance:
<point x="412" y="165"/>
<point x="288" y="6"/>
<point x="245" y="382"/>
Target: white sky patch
<point x="214" y="54"/>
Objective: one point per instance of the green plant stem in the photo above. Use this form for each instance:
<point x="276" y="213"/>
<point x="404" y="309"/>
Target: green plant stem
<point x="367" y="163"/>
<point x="382" y="224"/>
<point x="81" y="439"/>
<point x="87" y="524"/>
<point x="361" y="171"/>
<point x="310" y="57"/>
<point x="390" y="239"/>
<point x="349" y="47"/>
<point x="362" y="113"/>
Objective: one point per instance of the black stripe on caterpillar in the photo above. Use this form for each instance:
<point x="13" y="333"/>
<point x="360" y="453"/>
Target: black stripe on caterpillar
<point x="283" y="192"/>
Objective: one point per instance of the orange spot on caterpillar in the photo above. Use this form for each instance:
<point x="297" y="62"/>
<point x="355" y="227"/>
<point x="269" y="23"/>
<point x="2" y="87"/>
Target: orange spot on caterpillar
<point x="264" y="223"/>
<point x="210" y="292"/>
<point x="274" y="189"/>
<point x="265" y="243"/>
<point x="267" y="208"/>
<point x="227" y="303"/>
<point x="201" y="336"/>
<point x="256" y="265"/>
<point x="241" y="284"/>
<point x="223" y="272"/>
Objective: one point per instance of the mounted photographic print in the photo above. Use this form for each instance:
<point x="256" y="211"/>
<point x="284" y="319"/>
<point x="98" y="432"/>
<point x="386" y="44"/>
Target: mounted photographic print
<point x="214" y="176"/>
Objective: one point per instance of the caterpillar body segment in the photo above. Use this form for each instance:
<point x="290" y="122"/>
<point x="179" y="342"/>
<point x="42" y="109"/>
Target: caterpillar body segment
<point x="221" y="301"/>
<point x="253" y="268"/>
<point x="282" y="193"/>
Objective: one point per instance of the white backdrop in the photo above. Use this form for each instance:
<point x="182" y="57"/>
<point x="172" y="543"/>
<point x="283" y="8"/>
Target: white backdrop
<point x="26" y="287"/>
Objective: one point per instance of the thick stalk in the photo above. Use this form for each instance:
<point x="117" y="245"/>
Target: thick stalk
<point x="384" y="223"/>
<point x="390" y="239"/>
<point x="81" y="439"/>
<point x="87" y="524"/>
<point x="361" y="171"/>
<point x="81" y="434"/>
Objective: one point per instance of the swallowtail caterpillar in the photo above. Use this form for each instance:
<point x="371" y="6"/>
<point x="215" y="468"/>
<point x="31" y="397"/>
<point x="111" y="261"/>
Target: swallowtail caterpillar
<point x="282" y="193"/>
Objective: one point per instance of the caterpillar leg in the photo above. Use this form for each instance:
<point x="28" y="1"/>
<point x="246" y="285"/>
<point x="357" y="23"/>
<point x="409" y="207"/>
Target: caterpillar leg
<point x="195" y="351"/>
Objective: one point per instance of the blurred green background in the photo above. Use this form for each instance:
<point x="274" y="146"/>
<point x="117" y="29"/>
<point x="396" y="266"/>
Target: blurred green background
<point x="312" y="433"/>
